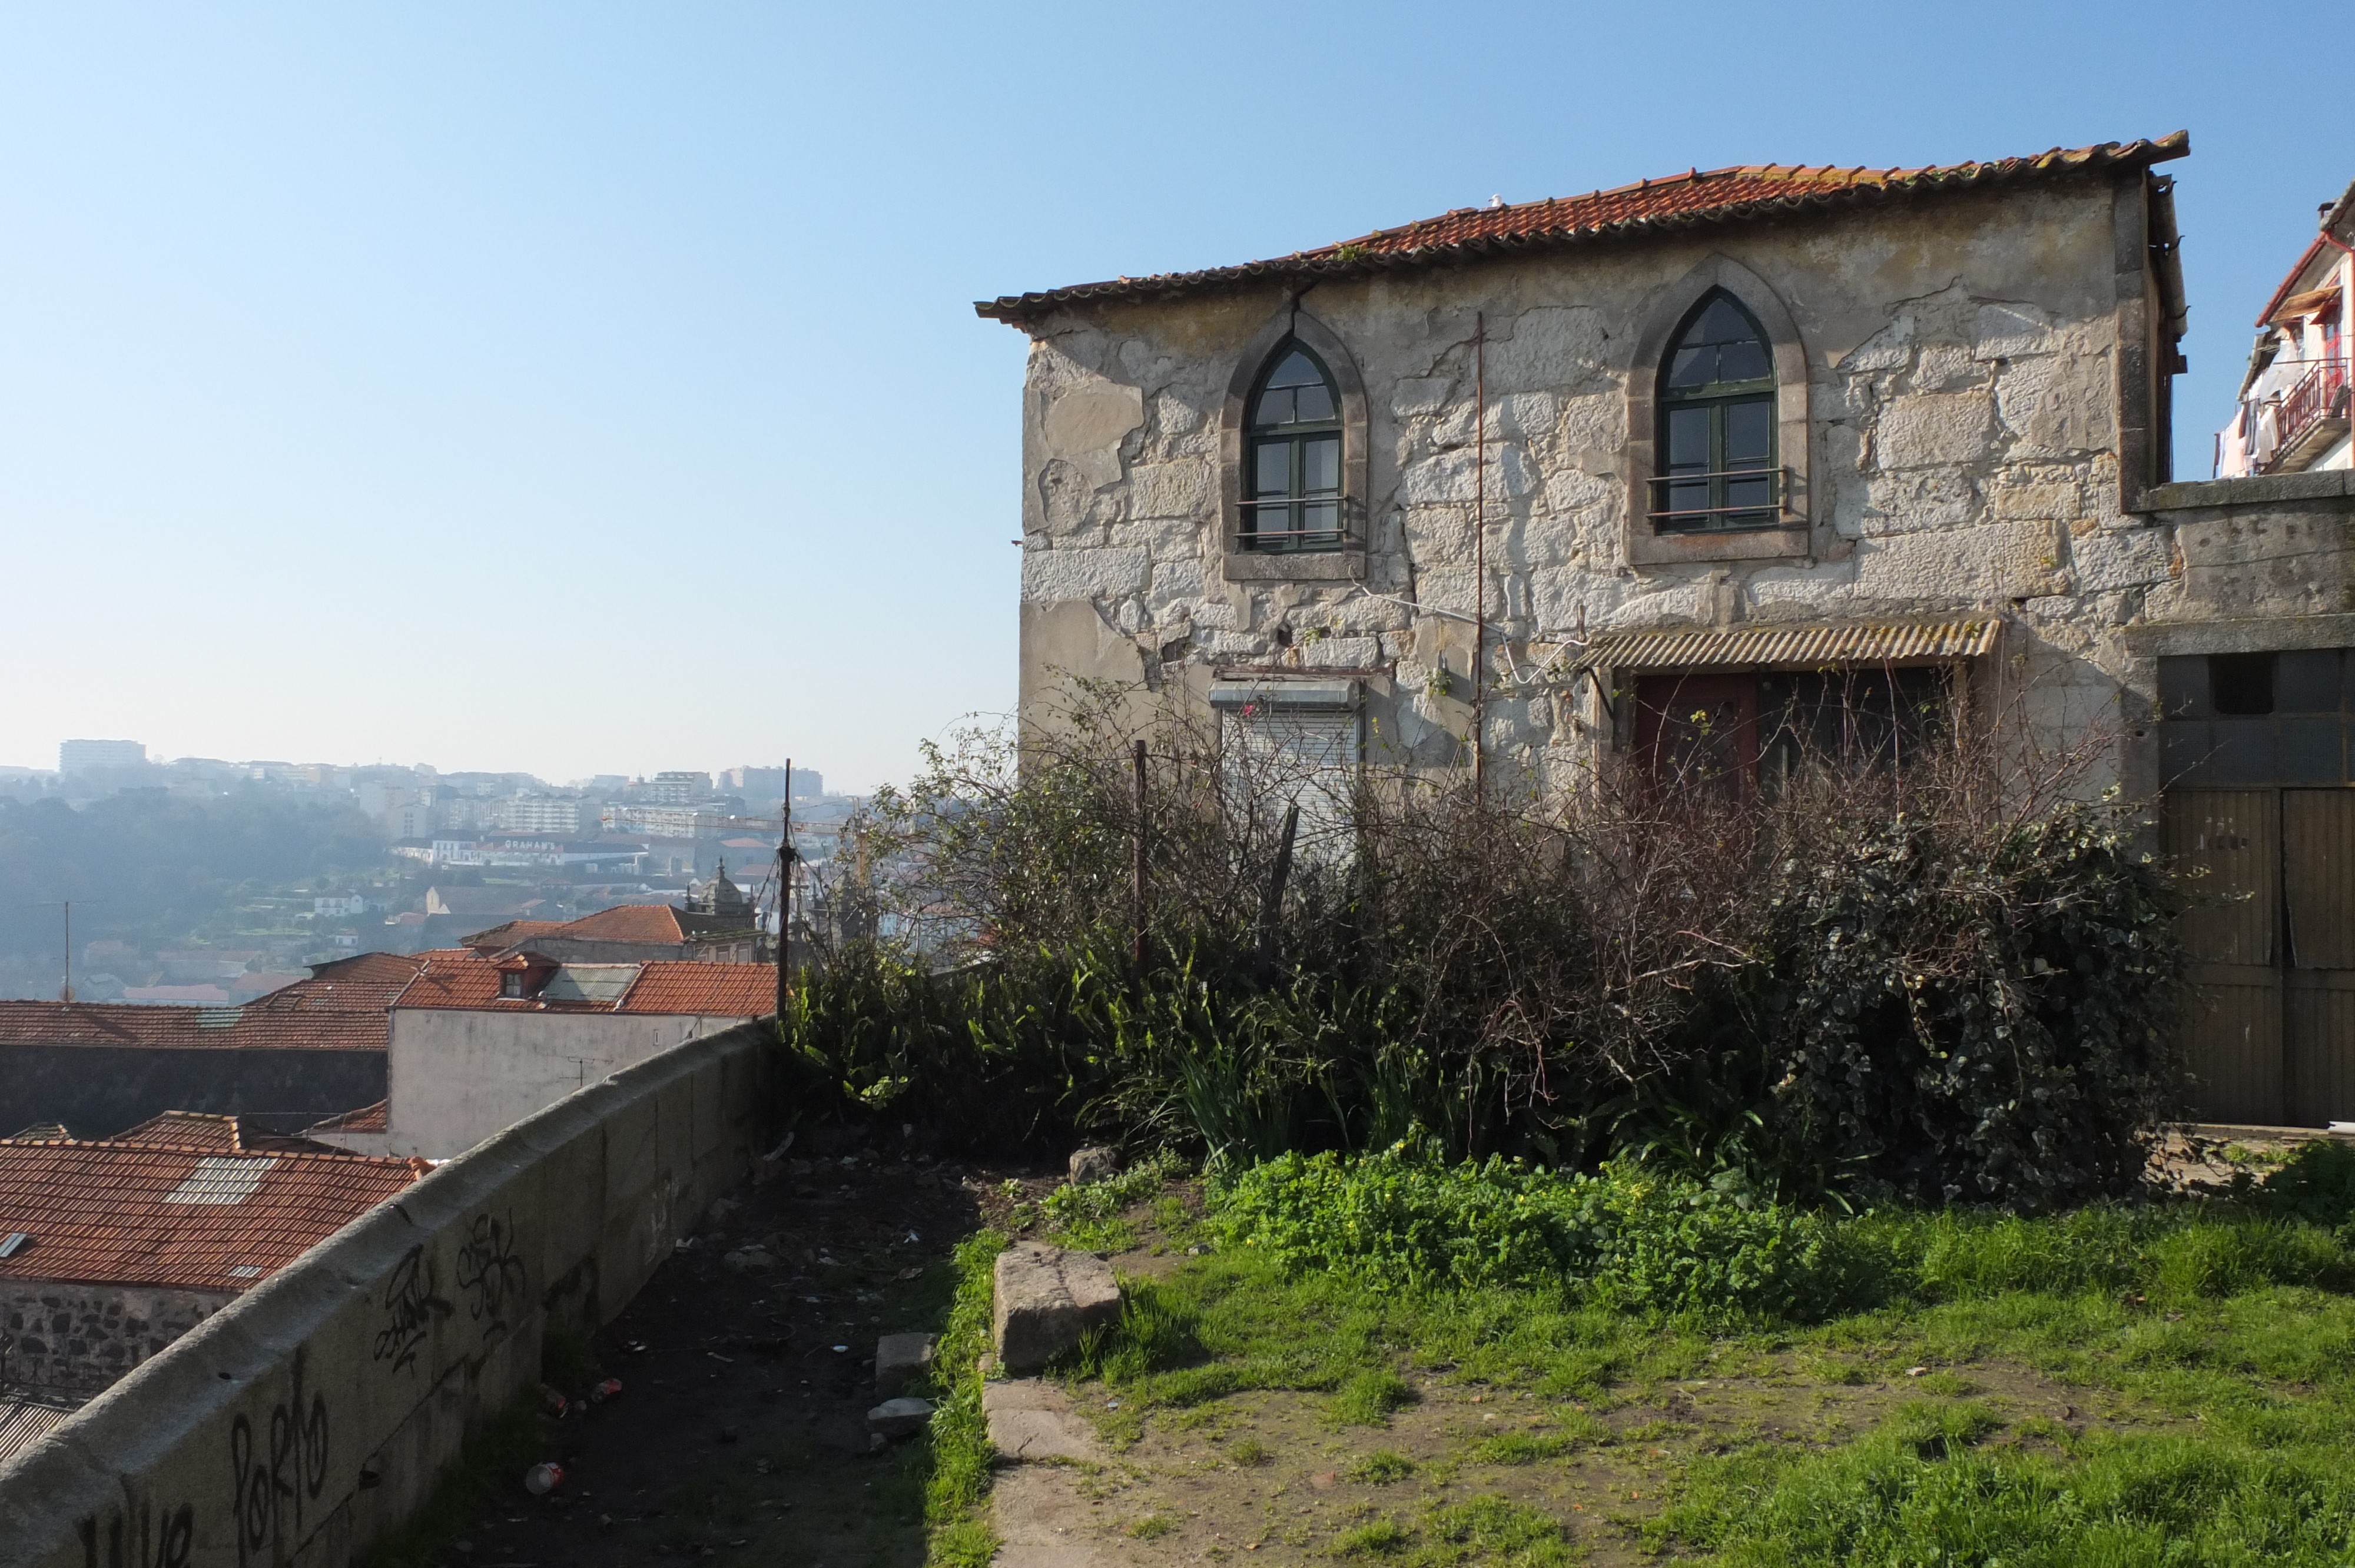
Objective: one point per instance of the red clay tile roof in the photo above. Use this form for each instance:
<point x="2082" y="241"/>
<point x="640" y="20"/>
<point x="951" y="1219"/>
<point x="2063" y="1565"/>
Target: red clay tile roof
<point x="1740" y="194"/>
<point x="508" y="935"/>
<point x="707" y="991"/>
<point x="120" y="1213"/>
<point x="366" y="982"/>
<point x="469" y="981"/>
<point x="630" y="923"/>
<point x="210" y="1132"/>
<point x="367" y="1119"/>
<point x="253" y="1027"/>
<point x="183" y="1130"/>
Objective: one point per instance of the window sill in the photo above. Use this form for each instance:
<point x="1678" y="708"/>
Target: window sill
<point x="1346" y="565"/>
<point x="1646" y="547"/>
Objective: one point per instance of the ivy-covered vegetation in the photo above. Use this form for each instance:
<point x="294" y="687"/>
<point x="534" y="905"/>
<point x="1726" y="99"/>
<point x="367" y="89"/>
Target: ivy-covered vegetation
<point x="1948" y="980"/>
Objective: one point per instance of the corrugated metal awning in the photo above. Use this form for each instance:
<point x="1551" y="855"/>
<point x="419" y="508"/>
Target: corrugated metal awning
<point x="1792" y="647"/>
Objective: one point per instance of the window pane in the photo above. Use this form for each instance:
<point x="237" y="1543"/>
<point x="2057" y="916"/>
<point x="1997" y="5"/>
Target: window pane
<point x="2311" y="751"/>
<point x="1743" y="362"/>
<point x="1322" y="467"/>
<point x="1748" y="434"/>
<point x="1688" y="440"/>
<point x="2183" y="687"/>
<point x="1273" y="475"/>
<point x="2240" y="683"/>
<point x="1274" y="408"/>
<point x="1323" y="516"/>
<point x="1313" y="402"/>
<point x="1692" y="368"/>
<point x="1685" y="495"/>
<point x="1297" y="370"/>
<point x="2183" y="752"/>
<point x="1749" y="492"/>
<point x="1718" y="323"/>
<point x="2244" y="752"/>
<point x="2308" y="682"/>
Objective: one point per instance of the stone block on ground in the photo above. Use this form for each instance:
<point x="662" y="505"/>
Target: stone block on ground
<point x="1094" y="1164"/>
<point x="1033" y="1420"/>
<point x="1046" y="1299"/>
<point x="899" y="1417"/>
<point x="903" y="1361"/>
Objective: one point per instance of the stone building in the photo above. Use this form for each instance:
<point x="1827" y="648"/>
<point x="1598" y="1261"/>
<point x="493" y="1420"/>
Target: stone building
<point x="111" y="1250"/>
<point x="1722" y="435"/>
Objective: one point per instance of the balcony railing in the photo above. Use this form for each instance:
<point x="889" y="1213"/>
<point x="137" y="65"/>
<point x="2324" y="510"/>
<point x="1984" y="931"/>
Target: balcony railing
<point x="2320" y="395"/>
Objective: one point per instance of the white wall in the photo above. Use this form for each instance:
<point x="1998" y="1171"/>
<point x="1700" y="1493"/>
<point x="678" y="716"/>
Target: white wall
<point x="456" y="1077"/>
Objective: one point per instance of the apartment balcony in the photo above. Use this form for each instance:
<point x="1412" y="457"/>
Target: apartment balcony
<point x="2310" y="416"/>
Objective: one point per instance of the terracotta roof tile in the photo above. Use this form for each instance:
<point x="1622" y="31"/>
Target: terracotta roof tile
<point x="508" y="935"/>
<point x="1742" y="193"/>
<point x="630" y="923"/>
<point x="367" y="1119"/>
<point x="709" y="990"/>
<point x="254" y="1026"/>
<point x="122" y="1213"/>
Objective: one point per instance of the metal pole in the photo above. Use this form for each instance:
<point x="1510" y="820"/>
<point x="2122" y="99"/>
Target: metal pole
<point x="1479" y="557"/>
<point x="1137" y="956"/>
<point x="785" y="891"/>
<point x="68" y="906"/>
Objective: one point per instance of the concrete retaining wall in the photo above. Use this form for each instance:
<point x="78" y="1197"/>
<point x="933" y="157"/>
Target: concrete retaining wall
<point x="301" y="1423"/>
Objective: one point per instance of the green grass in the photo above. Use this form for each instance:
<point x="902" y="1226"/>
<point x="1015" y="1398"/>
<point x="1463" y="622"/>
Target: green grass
<point x="1382" y="1467"/>
<point x="959" y="1535"/>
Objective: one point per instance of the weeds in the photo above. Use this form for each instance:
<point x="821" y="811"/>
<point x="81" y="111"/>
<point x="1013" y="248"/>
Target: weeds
<point x="959" y="1537"/>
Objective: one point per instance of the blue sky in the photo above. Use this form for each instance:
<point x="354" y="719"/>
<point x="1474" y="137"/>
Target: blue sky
<point x="595" y="388"/>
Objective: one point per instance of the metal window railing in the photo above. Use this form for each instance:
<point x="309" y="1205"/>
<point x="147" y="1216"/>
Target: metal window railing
<point x="1297" y="511"/>
<point x="1734" y="498"/>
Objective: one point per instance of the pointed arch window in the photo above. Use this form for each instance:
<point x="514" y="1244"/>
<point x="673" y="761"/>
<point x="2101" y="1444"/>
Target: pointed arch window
<point x="1292" y="459"/>
<point x="1717" y="471"/>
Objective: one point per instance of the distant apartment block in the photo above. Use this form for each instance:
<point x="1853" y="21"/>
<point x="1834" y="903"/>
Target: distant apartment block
<point x="769" y="783"/>
<point x="96" y="755"/>
<point x="541" y="814"/>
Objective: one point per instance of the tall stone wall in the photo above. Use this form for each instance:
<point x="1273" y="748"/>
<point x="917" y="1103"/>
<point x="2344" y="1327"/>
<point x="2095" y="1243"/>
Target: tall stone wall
<point x="79" y="1339"/>
<point x="299" y="1422"/>
<point x="1962" y="452"/>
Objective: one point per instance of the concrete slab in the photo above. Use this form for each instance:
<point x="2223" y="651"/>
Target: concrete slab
<point x="1030" y="1420"/>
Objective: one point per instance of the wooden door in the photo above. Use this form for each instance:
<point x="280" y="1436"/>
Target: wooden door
<point x="2229" y="840"/>
<point x="2319" y="909"/>
<point x="1699" y="731"/>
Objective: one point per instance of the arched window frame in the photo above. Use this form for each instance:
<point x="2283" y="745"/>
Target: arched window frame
<point x="1258" y="358"/>
<point x="1790" y="536"/>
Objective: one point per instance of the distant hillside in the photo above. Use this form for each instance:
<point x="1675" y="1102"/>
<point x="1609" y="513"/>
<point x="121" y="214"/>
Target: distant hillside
<point x="145" y="867"/>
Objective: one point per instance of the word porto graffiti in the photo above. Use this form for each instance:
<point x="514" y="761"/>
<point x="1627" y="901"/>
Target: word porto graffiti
<point x="412" y="1305"/>
<point x="152" y="1540"/>
<point x="276" y="1478"/>
<point x="490" y="1271"/>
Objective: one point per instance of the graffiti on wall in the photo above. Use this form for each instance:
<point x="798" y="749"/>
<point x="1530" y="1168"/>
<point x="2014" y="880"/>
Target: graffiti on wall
<point x="412" y="1305"/>
<point x="491" y="1272"/>
<point x="279" y="1472"/>
<point x="151" y="1540"/>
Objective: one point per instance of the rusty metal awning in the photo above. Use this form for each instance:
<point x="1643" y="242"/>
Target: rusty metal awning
<point x="1792" y="647"/>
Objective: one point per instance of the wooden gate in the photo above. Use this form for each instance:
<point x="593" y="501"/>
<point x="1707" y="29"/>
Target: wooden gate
<point x="2269" y="1007"/>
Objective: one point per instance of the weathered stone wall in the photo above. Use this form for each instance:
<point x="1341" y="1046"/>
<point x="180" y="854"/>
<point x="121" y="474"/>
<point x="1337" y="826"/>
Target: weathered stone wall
<point x="1962" y="364"/>
<point x="79" y="1339"/>
<point x="299" y="1422"/>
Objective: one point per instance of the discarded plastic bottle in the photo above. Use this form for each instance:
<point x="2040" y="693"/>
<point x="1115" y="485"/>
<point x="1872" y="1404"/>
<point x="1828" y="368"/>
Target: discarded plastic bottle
<point x="543" y="1478"/>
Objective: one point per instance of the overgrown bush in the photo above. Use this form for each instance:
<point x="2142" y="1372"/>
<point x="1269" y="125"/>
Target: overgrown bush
<point x="1924" y="982"/>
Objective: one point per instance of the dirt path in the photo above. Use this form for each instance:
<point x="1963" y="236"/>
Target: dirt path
<point x="740" y="1431"/>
